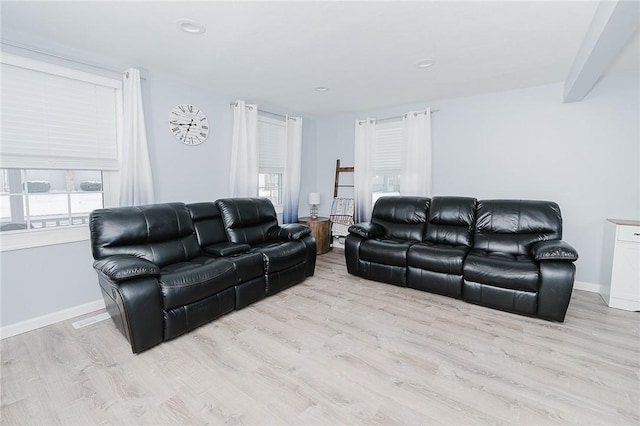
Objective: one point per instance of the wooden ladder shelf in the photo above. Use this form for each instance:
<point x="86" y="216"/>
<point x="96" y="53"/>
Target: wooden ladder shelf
<point x="339" y="170"/>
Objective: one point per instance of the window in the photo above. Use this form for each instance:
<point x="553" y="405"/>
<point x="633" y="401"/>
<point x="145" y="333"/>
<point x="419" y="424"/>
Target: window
<point x="59" y="136"/>
<point x="271" y="159"/>
<point x="37" y="199"/>
<point x="387" y="159"/>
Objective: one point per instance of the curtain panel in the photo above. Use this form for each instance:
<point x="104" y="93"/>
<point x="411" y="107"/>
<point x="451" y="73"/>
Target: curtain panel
<point x="292" y="170"/>
<point x="415" y="175"/>
<point x="136" y="179"/>
<point x="363" y="169"/>
<point x="244" y="151"/>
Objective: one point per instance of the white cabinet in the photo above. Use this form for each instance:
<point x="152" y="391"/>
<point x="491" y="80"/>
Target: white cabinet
<point x="620" y="284"/>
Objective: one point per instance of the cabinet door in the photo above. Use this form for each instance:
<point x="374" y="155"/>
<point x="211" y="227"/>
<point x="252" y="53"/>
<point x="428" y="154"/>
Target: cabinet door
<point x="625" y="280"/>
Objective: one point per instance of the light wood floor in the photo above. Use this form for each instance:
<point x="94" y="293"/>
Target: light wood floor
<point x="337" y="349"/>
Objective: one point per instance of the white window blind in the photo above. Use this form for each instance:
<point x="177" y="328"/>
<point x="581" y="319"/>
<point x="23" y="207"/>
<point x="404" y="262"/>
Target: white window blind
<point x="57" y="118"/>
<point x="271" y="145"/>
<point x="388" y="142"/>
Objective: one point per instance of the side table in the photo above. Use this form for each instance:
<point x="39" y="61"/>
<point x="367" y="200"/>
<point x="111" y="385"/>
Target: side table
<point x="321" y="231"/>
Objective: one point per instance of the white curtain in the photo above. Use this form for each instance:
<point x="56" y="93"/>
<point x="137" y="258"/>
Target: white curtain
<point x="415" y="176"/>
<point x="292" y="169"/>
<point x="136" y="180"/>
<point x="244" y="151"/>
<point x="363" y="169"/>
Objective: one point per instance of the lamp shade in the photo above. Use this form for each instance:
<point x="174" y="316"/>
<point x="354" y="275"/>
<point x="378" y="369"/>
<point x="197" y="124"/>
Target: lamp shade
<point x="314" y="198"/>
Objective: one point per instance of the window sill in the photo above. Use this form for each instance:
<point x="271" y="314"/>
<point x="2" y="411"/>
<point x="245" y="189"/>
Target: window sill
<point x="19" y="240"/>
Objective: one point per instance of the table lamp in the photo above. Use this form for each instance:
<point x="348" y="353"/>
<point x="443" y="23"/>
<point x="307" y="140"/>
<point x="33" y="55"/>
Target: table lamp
<point x="314" y="200"/>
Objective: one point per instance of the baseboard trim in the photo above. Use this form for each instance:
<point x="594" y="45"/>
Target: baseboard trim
<point x="48" y="319"/>
<point x="586" y="286"/>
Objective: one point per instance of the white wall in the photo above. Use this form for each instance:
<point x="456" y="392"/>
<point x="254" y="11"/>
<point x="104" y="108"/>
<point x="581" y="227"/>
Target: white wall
<point x="40" y="281"/>
<point x="308" y="172"/>
<point x="528" y="144"/>
<point x="182" y="172"/>
<point x="335" y="142"/>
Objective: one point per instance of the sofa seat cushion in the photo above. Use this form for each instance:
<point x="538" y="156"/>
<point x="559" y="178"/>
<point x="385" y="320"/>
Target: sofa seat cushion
<point x="385" y="251"/>
<point x="516" y="272"/>
<point x="187" y="282"/>
<point x="437" y="257"/>
<point x="280" y="255"/>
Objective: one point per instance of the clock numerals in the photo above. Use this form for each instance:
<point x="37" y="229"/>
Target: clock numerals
<point x="193" y="140"/>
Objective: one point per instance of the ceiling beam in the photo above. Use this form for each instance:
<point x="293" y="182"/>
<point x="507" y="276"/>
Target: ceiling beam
<point x="613" y="25"/>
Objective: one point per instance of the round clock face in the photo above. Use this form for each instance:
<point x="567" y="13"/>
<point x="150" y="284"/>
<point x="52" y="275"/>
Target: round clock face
<point x="189" y="124"/>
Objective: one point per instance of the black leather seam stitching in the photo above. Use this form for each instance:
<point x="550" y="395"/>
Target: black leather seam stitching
<point x="518" y="229"/>
<point x="458" y="230"/>
<point x="146" y="221"/>
<point x="491" y="228"/>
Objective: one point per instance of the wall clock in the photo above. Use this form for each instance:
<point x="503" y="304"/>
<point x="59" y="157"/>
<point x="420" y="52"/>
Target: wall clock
<point x="189" y="124"/>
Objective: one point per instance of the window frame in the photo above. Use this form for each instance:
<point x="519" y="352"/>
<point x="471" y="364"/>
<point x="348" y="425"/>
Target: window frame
<point x="390" y="126"/>
<point x="271" y="121"/>
<point x="32" y="238"/>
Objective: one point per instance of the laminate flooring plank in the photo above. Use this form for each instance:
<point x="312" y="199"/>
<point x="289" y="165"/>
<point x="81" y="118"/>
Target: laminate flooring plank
<point x="337" y="349"/>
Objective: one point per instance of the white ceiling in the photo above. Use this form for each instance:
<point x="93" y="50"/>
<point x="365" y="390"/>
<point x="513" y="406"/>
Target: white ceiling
<point x="276" y="52"/>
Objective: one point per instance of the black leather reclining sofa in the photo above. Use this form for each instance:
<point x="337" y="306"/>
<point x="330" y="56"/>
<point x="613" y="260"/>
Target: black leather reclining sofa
<point x="505" y="254"/>
<point x="165" y="269"/>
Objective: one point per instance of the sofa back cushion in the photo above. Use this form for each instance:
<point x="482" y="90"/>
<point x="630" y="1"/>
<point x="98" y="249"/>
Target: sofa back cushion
<point x="450" y="220"/>
<point x="207" y="222"/>
<point x="403" y="218"/>
<point x="511" y="226"/>
<point x="160" y="233"/>
<point x="247" y="220"/>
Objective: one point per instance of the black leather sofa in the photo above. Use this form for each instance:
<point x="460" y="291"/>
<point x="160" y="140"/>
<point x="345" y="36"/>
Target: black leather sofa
<point x="505" y="254"/>
<point x="165" y="269"/>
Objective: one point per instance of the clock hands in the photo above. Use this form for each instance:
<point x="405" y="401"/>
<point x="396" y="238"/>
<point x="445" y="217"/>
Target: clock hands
<point x="189" y="128"/>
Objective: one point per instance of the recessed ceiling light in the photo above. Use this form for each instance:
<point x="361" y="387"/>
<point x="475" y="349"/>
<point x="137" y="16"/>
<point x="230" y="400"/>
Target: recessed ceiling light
<point x="321" y="89"/>
<point x="190" y="26"/>
<point x="425" y="63"/>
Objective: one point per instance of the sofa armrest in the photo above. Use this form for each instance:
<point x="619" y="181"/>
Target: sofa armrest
<point x="367" y="230"/>
<point x="554" y="291"/>
<point x="226" y="249"/>
<point x="123" y="267"/>
<point x="289" y="231"/>
<point x="553" y="250"/>
<point x="136" y="308"/>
